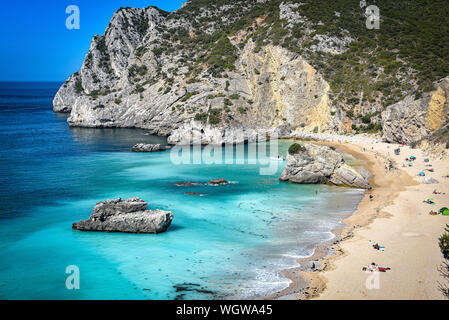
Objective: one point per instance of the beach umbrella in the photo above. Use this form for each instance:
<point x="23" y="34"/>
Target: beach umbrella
<point x="444" y="211"/>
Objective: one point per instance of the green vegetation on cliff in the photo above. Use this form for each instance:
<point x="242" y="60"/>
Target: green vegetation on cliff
<point x="375" y="67"/>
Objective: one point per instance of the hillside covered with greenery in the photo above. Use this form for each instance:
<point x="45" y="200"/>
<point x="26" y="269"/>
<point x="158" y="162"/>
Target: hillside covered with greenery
<point x="376" y="69"/>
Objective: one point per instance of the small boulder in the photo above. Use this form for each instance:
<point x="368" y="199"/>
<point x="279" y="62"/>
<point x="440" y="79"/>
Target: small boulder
<point x="218" y="182"/>
<point x="141" y="147"/>
<point x="195" y="194"/>
<point x="430" y="180"/>
<point x="186" y="184"/>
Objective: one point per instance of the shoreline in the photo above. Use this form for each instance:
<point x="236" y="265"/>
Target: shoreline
<point x="390" y="182"/>
<point x="305" y="282"/>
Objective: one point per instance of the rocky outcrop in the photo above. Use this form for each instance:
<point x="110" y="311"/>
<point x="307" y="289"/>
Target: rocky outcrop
<point x="130" y="215"/>
<point x="125" y="82"/>
<point x="413" y="119"/>
<point x="141" y="147"/>
<point x="315" y="164"/>
<point x="218" y="182"/>
<point x="182" y="75"/>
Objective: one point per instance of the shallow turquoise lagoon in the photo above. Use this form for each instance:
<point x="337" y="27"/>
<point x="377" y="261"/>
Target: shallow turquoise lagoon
<point x="231" y="242"/>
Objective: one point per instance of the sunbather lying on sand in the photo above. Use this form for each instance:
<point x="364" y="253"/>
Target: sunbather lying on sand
<point x="374" y="267"/>
<point x="436" y="192"/>
<point x="433" y="213"/>
<point x="377" y="246"/>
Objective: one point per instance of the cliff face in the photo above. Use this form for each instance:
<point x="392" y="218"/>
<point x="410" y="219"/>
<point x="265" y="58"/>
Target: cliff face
<point x="217" y="70"/>
<point x="117" y="87"/>
<point x="411" y="120"/>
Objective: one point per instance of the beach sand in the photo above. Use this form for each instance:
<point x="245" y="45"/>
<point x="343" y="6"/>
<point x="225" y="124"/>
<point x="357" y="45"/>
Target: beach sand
<point x="398" y="219"/>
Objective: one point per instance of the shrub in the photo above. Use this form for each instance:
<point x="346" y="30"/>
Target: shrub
<point x="201" y="117"/>
<point x="256" y="71"/>
<point x="79" y="87"/>
<point x="189" y="95"/>
<point x="138" y="89"/>
<point x="315" y="130"/>
<point x="234" y="96"/>
<point x="214" y="116"/>
<point x="350" y="114"/>
<point x="135" y="70"/>
<point x="296" y="148"/>
<point x="100" y="106"/>
<point x="447" y="145"/>
<point x="366" y="119"/>
<point x="243" y="110"/>
<point x="444" y="242"/>
<point x="118" y="101"/>
<point x="167" y="90"/>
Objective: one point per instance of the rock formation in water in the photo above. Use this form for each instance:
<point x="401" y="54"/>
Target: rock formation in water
<point x="314" y="164"/>
<point x="218" y="182"/>
<point x="141" y="147"/>
<point x="233" y="71"/>
<point x="130" y="215"/>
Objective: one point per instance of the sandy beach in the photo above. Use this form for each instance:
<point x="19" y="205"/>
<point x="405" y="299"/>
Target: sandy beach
<point x="398" y="219"/>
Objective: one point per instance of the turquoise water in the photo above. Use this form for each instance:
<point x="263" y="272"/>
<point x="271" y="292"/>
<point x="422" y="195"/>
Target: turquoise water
<point x="231" y="242"/>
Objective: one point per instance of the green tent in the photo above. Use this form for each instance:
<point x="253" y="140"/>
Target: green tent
<point x="444" y="211"/>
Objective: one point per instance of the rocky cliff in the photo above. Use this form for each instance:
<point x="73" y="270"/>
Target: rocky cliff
<point x="213" y="71"/>
<point x="413" y="119"/>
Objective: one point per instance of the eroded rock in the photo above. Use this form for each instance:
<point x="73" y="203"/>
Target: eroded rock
<point x="218" y="181"/>
<point x="128" y="215"/>
<point x="320" y="164"/>
<point x="141" y="147"/>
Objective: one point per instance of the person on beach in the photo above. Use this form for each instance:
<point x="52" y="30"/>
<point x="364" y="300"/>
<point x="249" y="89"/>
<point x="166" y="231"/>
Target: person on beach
<point x="371" y="197"/>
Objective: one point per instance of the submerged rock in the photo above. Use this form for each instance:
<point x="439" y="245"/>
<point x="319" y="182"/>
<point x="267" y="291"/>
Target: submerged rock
<point x="315" y="164"/>
<point x="130" y="215"/>
<point x="186" y="184"/>
<point x="195" y="194"/>
<point x="148" y="148"/>
<point x="218" y="181"/>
